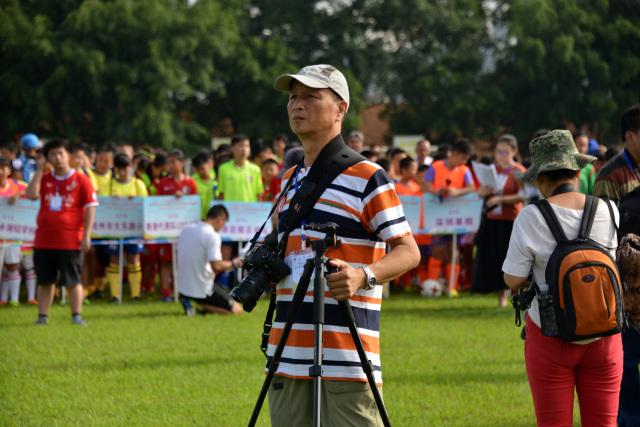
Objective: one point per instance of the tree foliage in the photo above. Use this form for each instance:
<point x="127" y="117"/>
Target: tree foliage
<point x="169" y="72"/>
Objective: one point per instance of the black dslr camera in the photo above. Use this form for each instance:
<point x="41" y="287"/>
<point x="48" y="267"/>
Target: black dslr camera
<point x="265" y="267"/>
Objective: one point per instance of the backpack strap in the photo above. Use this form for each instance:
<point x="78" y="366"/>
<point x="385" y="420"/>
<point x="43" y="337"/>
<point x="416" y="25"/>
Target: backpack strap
<point x="609" y="204"/>
<point x="589" y="213"/>
<point x="552" y="220"/>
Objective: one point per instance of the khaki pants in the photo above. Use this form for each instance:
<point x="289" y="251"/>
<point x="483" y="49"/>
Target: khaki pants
<point x="344" y="403"/>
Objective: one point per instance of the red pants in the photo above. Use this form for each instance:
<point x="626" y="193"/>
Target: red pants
<point x="555" y="368"/>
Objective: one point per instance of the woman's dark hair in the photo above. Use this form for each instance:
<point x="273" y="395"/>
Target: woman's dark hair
<point x="406" y="162"/>
<point x="559" y="174"/>
<point x="200" y="159"/>
<point x="54" y="144"/>
<point x="5" y="163"/>
<point x="143" y="163"/>
<point x="394" y="152"/>
<point x="462" y="146"/>
<point x="160" y="160"/>
<point x="384" y="164"/>
<point x="121" y="160"/>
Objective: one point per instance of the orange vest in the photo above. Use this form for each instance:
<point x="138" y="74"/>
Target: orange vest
<point x="444" y="177"/>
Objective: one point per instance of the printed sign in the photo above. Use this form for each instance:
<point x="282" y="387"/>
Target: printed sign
<point x="412" y="207"/>
<point x="18" y="221"/>
<point x="453" y="215"/>
<point x="119" y="217"/>
<point x="245" y="220"/>
<point x="164" y="216"/>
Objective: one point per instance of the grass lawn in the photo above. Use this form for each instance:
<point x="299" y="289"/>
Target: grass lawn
<point x="445" y="363"/>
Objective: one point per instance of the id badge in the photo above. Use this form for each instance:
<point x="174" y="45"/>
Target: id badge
<point x="297" y="264"/>
<point x="55" y="203"/>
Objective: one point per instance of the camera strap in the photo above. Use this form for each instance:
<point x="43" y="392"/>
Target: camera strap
<point x="332" y="160"/>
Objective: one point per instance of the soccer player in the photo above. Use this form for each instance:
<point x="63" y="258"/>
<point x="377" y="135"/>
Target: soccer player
<point x="10" y="260"/>
<point x="176" y="184"/>
<point x="124" y="185"/>
<point x="238" y="179"/>
<point x="102" y="170"/>
<point x="65" y="220"/>
<point x="448" y="178"/>
<point x="205" y="179"/>
<point x="270" y="180"/>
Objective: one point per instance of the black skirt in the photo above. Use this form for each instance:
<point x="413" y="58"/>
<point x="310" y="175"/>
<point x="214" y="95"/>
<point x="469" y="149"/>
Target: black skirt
<point x="492" y="242"/>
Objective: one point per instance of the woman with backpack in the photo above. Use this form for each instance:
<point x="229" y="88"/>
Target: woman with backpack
<point x="572" y="326"/>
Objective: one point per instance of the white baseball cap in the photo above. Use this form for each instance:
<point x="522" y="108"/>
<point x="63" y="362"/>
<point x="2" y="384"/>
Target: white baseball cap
<point x="320" y="76"/>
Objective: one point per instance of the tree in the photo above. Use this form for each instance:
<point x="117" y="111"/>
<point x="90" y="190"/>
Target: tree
<point x="568" y="63"/>
<point x="113" y="70"/>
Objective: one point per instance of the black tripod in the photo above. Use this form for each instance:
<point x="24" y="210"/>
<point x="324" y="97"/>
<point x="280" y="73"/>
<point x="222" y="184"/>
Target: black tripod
<point x="316" y="265"/>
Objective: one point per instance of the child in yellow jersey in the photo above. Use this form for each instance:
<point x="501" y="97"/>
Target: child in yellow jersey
<point x="123" y="184"/>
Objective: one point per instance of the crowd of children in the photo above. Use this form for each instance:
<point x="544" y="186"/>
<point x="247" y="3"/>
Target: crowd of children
<point x="242" y="171"/>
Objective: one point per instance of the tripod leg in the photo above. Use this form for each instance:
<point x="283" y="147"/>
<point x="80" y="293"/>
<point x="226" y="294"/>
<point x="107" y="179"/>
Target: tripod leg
<point x="318" y="325"/>
<point x="367" y="366"/>
<point x="298" y="298"/>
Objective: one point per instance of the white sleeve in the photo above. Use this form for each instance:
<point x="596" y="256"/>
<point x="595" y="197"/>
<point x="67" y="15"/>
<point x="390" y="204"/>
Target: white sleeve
<point x="213" y="244"/>
<point x="520" y="255"/>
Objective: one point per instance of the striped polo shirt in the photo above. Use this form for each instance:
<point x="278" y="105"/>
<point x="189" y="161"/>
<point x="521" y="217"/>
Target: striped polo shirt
<point x="363" y="202"/>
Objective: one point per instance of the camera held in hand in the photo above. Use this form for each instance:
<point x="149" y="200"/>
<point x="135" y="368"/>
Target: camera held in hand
<point x="265" y="267"/>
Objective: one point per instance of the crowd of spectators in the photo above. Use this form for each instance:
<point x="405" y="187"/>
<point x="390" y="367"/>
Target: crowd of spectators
<point x="249" y="171"/>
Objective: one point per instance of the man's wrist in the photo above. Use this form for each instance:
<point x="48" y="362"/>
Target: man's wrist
<point x="370" y="280"/>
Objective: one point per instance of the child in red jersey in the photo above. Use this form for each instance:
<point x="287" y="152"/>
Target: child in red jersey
<point x="176" y="184"/>
<point x="63" y="232"/>
<point x="270" y="180"/>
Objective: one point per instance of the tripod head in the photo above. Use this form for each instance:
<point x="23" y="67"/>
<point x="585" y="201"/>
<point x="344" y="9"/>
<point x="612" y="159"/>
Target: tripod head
<point x="330" y="240"/>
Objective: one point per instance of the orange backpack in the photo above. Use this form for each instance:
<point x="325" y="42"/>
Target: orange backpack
<point x="585" y="291"/>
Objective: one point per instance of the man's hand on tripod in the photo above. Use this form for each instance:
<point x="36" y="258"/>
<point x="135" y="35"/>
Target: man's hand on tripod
<point x="344" y="284"/>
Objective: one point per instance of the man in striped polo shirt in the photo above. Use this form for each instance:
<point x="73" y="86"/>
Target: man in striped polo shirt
<point x="364" y="204"/>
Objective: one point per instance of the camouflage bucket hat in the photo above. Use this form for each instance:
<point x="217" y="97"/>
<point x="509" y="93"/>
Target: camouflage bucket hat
<point x="552" y="151"/>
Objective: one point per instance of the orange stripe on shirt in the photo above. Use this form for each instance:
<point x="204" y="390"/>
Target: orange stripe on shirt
<point x="330" y="339"/>
<point x="289" y="291"/>
<point x="385" y="200"/>
<point x="362" y="170"/>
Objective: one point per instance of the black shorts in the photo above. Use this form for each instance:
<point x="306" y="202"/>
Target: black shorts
<point x="58" y="266"/>
<point x="220" y="298"/>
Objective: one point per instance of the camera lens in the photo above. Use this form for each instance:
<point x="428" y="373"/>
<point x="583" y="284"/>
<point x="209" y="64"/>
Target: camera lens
<point x="250" y="289"/>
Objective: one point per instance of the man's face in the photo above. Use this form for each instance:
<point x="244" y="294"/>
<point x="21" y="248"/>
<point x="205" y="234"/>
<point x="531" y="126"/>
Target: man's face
<point x="219" y="222"/>
<point x="176" y="166"/>
<point x="423" y="149"/>
<point x="241" y="150"/>
<point x="582" y="144"/>
<point x="104" y="162"/>
<point x="58" y="157"/>
<point x="313" y="111"/>
<point x="204" y="170"/>
<point x="457" y="159"/>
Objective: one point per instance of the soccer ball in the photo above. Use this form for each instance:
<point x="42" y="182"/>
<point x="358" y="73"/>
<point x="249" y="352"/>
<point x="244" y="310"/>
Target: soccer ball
<point x="431" y="288"/>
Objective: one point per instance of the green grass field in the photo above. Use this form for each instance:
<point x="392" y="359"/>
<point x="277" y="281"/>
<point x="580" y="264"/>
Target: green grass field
<point x="445" y="363"/>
